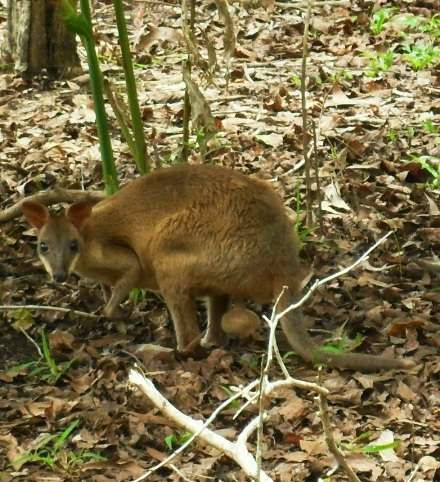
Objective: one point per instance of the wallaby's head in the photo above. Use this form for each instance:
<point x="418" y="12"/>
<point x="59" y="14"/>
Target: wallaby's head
<point x="59" y="235"/>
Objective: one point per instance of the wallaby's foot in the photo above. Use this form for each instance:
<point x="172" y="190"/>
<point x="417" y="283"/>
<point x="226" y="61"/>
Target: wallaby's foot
<point x="214" y="339"/>
<point x="115" y="313"/>
<point x="193" y="349"/>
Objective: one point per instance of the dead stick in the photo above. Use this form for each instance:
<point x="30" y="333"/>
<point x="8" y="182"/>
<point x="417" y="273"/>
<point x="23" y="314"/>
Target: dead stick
<point x="309" y="220"/>
<point x="325" y="419"/>
<point x="49" y="308"/>
<point x="58" y="195"/>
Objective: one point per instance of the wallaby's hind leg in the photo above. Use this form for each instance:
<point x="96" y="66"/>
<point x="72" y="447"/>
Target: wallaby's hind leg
<point x="217" y="306"/>
<point x="183" y="312"/>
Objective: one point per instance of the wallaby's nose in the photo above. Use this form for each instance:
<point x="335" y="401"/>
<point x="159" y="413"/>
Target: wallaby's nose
<point x="60" y="277"/>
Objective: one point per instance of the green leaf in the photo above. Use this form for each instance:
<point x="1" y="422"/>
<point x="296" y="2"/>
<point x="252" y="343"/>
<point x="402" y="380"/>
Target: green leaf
<point x="23" y="318"/>
<point x="370" y="449"/>
<point x="59" y="442"/>
<point x="76" y="22"/>
<point x="169" y="441"/>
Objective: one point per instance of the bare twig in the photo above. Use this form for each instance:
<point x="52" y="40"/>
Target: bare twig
<point x="317" y="179"/>
<point x="309" y="220"/>
<point x="414" y="472"/>
<point x="260" y="418"/>
<point x="333" y="276"/>
<point x="325" y="420"/>
<point x="49" y="308"/>
<point x="36" y="345"/>
<point x="304" y="3"/>
<point x="121" y="116"/>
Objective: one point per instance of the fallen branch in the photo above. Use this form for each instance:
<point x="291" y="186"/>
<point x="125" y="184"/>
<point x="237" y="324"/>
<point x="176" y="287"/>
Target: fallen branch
<point x="57" y="195"/>
<point x="269" y="388"/>
<point x="331" y="444"/>
<point x="49" y="308"/>
<point x="237" y="450"/>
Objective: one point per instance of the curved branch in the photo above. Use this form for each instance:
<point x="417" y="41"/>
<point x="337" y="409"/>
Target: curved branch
<point x="58" y="195"/>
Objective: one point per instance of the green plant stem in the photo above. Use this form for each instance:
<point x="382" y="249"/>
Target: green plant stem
<point x="130" y="82"/>
<point x="85" y="10"/>
<point x="96" y="84"/>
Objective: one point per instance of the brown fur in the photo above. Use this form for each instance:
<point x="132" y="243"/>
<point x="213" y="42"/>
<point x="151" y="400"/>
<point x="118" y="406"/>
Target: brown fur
<point x="196" y="231"/>
<point x="241" y="322"/>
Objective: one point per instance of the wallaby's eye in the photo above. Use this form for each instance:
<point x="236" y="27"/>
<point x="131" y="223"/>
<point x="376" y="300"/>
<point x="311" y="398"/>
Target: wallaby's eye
<point x="44" y="248"/>
<point x="73" y="245"/>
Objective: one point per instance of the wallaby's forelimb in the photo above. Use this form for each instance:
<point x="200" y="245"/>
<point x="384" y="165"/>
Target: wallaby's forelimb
<point x="298" y="337"/>
<point x="57" y="195"/>
<point x="121" y="290"/>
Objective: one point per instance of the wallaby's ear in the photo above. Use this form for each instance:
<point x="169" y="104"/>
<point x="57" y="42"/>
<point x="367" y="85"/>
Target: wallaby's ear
<point x="36" y="214"/>
<point x="78" y="213"/>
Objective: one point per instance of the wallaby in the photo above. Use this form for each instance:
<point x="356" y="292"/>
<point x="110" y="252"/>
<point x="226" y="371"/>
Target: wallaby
<point x="189" y="232"/>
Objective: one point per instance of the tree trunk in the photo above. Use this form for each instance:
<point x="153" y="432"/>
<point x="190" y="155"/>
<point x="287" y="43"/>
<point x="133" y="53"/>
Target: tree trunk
<point x="38" y="41"/>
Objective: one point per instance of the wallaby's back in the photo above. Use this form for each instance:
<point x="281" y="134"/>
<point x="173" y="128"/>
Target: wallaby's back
<point x="234" y="228"/>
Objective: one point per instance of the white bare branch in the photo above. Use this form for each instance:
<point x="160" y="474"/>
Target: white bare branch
<point x="237" y="450"/>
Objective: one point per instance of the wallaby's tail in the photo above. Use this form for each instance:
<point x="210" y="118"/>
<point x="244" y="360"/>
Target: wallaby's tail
<point x="302" y="343"/>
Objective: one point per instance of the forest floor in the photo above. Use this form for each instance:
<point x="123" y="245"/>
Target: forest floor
<point x="374" y="93"/>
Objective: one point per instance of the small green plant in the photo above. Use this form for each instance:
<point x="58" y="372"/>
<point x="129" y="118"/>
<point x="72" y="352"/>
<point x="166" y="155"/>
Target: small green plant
<point x="421" y="55"/>
<point x="334" y="154"/>
<point x="234" y="404"/>
<point x="46" y="368"/>
<point x="342" y="344"/>
<point x="295" y="80"/>
<point x="50" y="451"/>
<point x="341" y="75"/>
<point x="411" y="21"/>
<point x="22" y="317"/>
<point x="137" y="295"/>
<point x="431" y="26"/>
<point x="410" y="132"/>
<point x="379" y="62"/>
<point x="303" y="232"/>
<point x="288" y="354"/>
<point x="201" y="137"/>
<point x="431" y="164"/>
<point x="380" y="18"/>
<point x="430" y="128"/>
<point x="176" y="439"/>
<point x="391" y="135"/>
<point x="360" y="445"/>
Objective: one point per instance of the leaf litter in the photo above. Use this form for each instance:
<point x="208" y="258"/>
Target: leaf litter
<point x="372" y="133"/>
